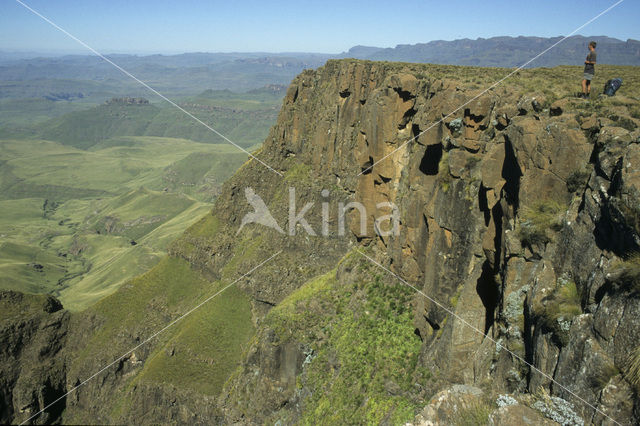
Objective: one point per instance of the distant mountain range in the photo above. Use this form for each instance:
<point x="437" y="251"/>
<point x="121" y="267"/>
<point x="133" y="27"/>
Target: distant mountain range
<point x="189" y="73"/>
<point x="505" y="51"/>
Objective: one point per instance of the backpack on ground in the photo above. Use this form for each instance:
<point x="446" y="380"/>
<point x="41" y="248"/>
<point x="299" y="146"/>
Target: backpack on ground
<point x="612" y="86"/>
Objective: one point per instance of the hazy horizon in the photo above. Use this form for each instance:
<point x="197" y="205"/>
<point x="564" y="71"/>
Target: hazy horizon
<point x="85" y="52"/>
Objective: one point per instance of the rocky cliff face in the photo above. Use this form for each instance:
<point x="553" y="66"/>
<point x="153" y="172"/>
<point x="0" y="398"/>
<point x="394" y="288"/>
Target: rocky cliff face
<point x="512" y="271"/>
<point x="514" y="211"/>
<point x="33" y="332"/>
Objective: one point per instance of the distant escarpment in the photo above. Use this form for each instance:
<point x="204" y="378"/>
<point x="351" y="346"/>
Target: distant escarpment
<point x="127" y="101"/>
<point x="503" y="51"/>
<point x="507" y="293"/>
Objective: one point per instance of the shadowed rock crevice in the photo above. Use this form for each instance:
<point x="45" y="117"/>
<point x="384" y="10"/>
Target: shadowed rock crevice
<point x="434" y="325"/>
<point x="617" y="226"/>
<point x="51" y="393"/>
<point x="605" y="289"/>
<point x="612" y="232"/>
<point x="489" y="292"/>
<point x="431" y="160"/>
<point x="497" y="215"/>
<point x="511" y="173"/>
<point x="527" y="335"/>
<point x="367" y="167"/>
<point x="408" y="115"/>
<point x="483" y="204"/>
<point x="474" y="120"/>
<point x="405" y="95"/>
<point x="415" y="130"/>
<point x="502" y="122"/>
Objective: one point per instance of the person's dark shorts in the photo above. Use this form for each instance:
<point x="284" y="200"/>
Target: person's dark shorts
<point x="588" y="76"/>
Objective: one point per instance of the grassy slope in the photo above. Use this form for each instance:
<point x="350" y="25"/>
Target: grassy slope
<point x="85" y="128"/>
<point x="196" y="354"/>
<point x="116" y="165"/>
<point x="73" y="205"/>
<point x="129" y="173"/>
<point x="27" y="268"/>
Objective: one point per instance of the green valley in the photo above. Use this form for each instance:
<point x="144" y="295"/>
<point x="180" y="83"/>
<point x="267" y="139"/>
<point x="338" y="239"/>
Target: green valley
<point x="91" y="195"/>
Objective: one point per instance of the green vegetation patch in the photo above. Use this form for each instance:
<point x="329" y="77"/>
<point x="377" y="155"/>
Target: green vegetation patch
<point x="110" y="262"/>
<point x="139" y="212"/>
<point x="245" y="121"/>
<point x="207" y="347"/>
<point x="206" y="227"/>
<point x="82" y="129"/>
<point x="28" y="111"/>
<point x="244" y="252"/>
<point x="364" y="360"/>
<point x="44" y="169"/>
<point x="299" y="172"/>
<point x="198" y="352"/>
<point x="444" y="174"/>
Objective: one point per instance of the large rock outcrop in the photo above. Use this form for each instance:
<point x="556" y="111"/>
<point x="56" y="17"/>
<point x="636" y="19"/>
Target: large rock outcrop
<point x="512" y="211"/>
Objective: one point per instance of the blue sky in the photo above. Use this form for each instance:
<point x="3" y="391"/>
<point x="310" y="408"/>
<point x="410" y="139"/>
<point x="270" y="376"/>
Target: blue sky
<point x="146" y="26"/>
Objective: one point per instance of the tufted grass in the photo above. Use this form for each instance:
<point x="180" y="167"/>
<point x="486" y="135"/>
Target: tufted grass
<point x="626" y="274"/>
<point x="631" y="371"/>
<point x="539" y="221"/>
<point x="561" y="307"/>
<point x="444" y="175"/>
<point x="603" y="375"/>
<point x="477" y="413"/>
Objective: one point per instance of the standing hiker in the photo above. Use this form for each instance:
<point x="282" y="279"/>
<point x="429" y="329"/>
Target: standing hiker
<point x="589" y="70"/>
